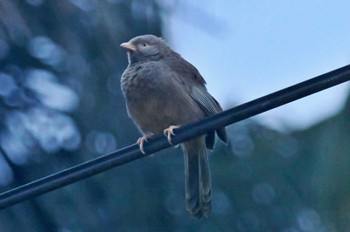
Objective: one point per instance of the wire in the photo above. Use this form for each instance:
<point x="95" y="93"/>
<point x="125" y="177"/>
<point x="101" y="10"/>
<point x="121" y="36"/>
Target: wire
<point x="186" y="132"/>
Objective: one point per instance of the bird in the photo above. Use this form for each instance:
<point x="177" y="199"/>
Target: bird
<point x="163" y="91"/>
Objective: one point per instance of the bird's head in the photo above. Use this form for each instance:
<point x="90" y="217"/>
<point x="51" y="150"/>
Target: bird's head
<point x="146" y="48"/>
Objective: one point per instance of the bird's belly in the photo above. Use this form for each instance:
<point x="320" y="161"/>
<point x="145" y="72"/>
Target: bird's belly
<point x="155" y="109"/>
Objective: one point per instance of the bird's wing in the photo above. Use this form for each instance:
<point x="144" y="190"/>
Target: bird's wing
<point x="194" y="85"/>
<point x="185" y="69"/>
<point x="205" y="101"/>
<point x="210" y="106"/>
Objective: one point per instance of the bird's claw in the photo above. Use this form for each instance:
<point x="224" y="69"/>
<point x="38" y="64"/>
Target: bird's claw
<point x="140" y="141"/>
<point x="169" y="132"/>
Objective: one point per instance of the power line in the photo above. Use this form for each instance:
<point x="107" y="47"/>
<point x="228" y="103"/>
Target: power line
<point x="184" y="133"/>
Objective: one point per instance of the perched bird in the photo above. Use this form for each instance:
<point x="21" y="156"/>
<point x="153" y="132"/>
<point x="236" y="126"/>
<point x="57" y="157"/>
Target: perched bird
<point x="164" y="91"/>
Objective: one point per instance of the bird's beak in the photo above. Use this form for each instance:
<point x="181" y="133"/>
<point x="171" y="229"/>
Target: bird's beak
<point x="128" y="46"/>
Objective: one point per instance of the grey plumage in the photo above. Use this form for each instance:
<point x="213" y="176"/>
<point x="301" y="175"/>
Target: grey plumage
<point x="162" y="89"/>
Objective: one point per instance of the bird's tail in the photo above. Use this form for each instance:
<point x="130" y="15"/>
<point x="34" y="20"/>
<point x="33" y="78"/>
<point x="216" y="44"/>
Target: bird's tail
<point x="197" y="178"/>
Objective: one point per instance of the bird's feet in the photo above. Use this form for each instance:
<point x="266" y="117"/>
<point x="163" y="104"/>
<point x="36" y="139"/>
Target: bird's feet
<point x="141" y="141"/>
<point x="169" y="132"/>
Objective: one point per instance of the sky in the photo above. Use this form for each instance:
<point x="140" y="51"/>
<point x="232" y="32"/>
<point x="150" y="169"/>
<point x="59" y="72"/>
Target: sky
<point x="247" y="49"/>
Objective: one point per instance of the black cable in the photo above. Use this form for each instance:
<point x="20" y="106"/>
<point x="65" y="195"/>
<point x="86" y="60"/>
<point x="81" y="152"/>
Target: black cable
<point x="184" y="133"/>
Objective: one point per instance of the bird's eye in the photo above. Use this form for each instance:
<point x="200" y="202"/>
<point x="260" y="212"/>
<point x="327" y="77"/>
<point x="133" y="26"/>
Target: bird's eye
<point x="144" y="44"/>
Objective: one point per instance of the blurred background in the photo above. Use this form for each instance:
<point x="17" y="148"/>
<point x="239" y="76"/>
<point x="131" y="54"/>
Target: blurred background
<point x="61" y="104"/>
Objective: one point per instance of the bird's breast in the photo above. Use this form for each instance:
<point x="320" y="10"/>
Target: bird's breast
<point x="146" y="98"/>
<point x="139" y="83"/>
<point x="154" y="100"/>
